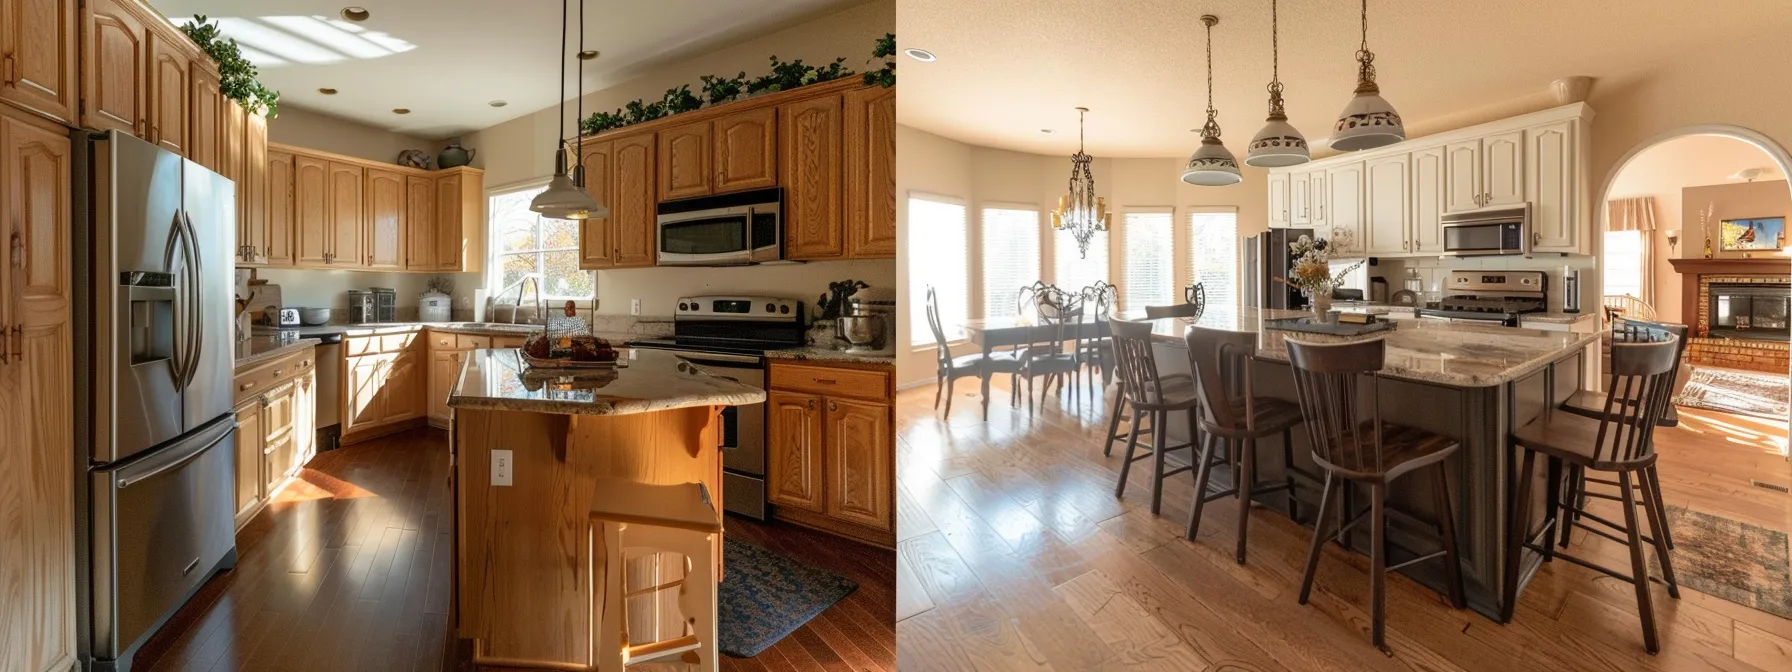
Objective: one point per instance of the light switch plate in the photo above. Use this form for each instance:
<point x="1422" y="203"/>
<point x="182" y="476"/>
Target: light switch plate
<point x="634" y="306"/>
<point x="502" y="468"/>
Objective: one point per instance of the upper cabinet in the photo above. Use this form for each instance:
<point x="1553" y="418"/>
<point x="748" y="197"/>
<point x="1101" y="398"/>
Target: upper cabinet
<point x="38" y="56"/>
<point x="205" y="104"/>
<point x="1278" y="200"/>
<point x="420" y="211"/>
<point x="114" y="68"/>
<point x="331" y="211"/>
<point x="685" y="158"/>
<point x="632" y="210"/>
<point x="311" y="211"/>
<point x="280" y="214"/>
<point x="346" y="218"/>
<point x="385" y="211"/>
<point x="809" y="163"/>
<point x="746" y="150"/>
<point x="870" y="157"/>
<point x="170" y="69"/>
<point x="1391" y="201"/>
<point x="597" y="241"/>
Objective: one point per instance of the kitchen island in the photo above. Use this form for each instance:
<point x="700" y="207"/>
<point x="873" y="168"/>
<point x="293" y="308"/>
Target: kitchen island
<point x="1470" y="382"/>
<point x="527" y="450"/>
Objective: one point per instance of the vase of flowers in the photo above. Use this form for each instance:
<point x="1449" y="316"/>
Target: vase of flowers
<point x="1313" y="274"/>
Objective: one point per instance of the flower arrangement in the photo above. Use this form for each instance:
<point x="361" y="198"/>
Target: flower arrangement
<point x="1312" y="272"/>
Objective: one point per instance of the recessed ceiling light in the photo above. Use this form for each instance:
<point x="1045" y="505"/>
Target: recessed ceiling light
<point x="356" y="14"/>
<point x="587" y="54"/>
<point x="327" y="91"/>
<point x="401" y="110"/>
<point x="921" y="55"/>
<point x="1046" y="131"/>
<point x="497" y="103"/>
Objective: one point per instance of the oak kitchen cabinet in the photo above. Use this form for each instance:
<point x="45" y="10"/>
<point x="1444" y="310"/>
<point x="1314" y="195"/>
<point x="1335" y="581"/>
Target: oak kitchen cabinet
<point x="619" y="173"/>
<point x="385" y="217"/>
<point x="114" y="67"/>
<point x="205" y="105"/>
<point x="39" y="38"/>
<point x="383" y="379"/>
<point x="170" y="90"/>
<point x="459" y="227"/>
<point x="830" y="454"/>
<point x="732" y="152"/>
<point x="447" y="351"/>
<point x="36" y="374"/>
<point x="869" y="154"/>
<point x="276" y="427"/>
<point x="324" y="210"/>
<point x="810" y="169"/>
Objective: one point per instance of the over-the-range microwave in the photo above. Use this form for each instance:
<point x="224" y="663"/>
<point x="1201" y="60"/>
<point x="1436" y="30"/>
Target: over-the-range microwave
<point x="1502" y="230"/>
<point x="726" y="230"/>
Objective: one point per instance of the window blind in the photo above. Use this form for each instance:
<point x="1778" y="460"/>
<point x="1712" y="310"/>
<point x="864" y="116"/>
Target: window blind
<point x="1072" y="272"/>
<point x="936" y="231"/>
<point x="1213" y="258"/>
<point x="1149" y="276"/>
<point x="1010" y="249"/>
<point x="1624" y="263"/>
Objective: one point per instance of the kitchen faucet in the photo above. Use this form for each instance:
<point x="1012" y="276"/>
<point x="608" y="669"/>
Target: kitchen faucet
<point x="522" y="286"/>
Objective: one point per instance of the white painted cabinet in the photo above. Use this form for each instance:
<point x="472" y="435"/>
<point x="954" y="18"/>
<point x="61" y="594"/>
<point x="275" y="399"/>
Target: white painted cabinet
<point x="1387" y="228"/>
<point x="1462" y="175"/>
<point x="1502" y="168"/>
<point x="1278" y="200"/>
<point x="1553" y="185"/>
<point x="1344" y="208"/>
<point x="1428" y="190"/>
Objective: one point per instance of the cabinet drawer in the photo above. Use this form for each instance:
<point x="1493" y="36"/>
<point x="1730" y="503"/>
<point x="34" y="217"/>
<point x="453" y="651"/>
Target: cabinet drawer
<point x="469" y="342"/>
<point x="396" y="342"/>
<point x="360" y="345"/>
<point x="833" y="382"/>
<point x="280" y="411"/>
<point x="265" y="377"/>
<point x="442" y="341"/>
<point x="502" y="342"/>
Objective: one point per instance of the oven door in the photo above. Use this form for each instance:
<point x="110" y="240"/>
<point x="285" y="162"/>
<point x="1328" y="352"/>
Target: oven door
<point x="743" y="432"/>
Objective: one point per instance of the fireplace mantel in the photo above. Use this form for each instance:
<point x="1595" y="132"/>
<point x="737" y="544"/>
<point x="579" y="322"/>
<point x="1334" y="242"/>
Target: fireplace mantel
<point x="1769" y="265"/>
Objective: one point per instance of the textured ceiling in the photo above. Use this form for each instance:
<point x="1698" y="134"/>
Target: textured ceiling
<point x="1008" y="68"/>
<point x="445" y="60"/>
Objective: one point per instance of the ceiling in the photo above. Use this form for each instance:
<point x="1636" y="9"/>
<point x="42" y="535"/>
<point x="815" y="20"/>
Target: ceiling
<point x="446" y="60"/>
<point x="1691" y="161"/>
<point x="1009" y="68"/>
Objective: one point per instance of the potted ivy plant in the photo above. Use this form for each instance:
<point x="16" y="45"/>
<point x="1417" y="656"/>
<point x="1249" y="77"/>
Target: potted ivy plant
<point x="236" y="75"/>
<point x="720" y="90"/>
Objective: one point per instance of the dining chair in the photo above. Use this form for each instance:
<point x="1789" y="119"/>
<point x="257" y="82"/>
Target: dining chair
<point x="1173" y="310"/>
<point x="1151" y="395"/>
<point x="1358" y="450"/>
<point x="1196" y="295"/>
<point x="1625" y="305"/>
<point x="1233" y="414"/>
<point x="1046" y="353"/>
<point x="1621" y="440"/>
<point x="1098" y="351"/>
<point x="951" y="368"/>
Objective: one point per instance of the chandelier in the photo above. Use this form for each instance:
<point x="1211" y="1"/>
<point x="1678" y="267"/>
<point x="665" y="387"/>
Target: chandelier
<point x="1081" y="211"/>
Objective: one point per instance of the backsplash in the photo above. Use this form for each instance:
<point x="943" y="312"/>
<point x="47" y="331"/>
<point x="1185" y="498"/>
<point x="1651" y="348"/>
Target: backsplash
<point x="1435" y="270"/>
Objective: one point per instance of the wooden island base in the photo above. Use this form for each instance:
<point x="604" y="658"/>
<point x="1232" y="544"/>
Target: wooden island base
<point x="520" y="593"/>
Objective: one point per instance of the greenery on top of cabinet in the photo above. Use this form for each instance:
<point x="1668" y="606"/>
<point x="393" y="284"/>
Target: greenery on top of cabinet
<point x="236" y="75"/>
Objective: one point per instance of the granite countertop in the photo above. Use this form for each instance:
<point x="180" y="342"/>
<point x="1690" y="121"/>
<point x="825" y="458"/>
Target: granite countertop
<point x="260" y="349"/>
<point x="483" y="328"/>
<point x="821" y="354"/>
<point x="1427" y="351"/>
<point x="652" y="380"/>
<point x="1557" y="317"/>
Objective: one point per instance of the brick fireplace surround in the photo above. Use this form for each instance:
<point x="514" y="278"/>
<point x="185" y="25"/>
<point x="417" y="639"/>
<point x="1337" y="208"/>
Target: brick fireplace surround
<point x="1696" y="278"/>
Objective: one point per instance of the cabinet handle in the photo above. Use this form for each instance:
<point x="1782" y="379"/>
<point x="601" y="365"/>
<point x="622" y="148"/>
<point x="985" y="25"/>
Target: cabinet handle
<point x="833" y="407"/>
<point x="811" y="404"/>
<point x="11" y="71"/>
<point x="277" y="372"/>
<point x="18" y="342"/>
<point x="826" y="381"/>
<point x="4" y="357"/>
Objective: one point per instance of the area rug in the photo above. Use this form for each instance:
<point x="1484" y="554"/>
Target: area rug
<point x="1762" y="395"/>
<point x="1742" y="563"/>
<point x="767" y="596"/>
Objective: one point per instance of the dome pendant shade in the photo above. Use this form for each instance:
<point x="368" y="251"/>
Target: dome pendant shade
<point x="1212" y="165"/>
<point x="1367" y="122"/>
<point x="1278" y="144"/>
<point x="563" y="198"/>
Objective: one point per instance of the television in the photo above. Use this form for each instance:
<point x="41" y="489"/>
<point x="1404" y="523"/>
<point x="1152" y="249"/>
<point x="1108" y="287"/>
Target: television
<point x="1757" y="233"/>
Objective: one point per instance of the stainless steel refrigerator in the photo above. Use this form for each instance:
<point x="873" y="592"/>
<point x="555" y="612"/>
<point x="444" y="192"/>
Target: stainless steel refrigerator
<point x="1267" y="258"/>
<point x="155" y="434"/>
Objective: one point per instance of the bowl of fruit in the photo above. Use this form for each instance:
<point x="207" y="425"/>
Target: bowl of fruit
<point x="545" y="351"/>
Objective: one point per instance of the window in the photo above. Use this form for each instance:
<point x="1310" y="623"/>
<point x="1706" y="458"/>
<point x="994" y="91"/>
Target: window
<point x="1149" y="275"/>
<point x="1010" y="257"/>
<point x="1213" y="257"/>
<point x="1072" y="272"/>
<point x="937" y="225"/>
<point x="525" y="243"/>
<point x="1624" y="263"/>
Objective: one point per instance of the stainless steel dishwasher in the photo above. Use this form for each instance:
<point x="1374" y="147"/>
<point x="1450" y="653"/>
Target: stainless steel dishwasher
<point x="329" y="392"/>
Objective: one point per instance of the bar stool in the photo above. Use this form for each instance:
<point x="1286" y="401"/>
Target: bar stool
<point x="1369" y="451"/>
<point x="677" y="518"/>
<point x="1620" y="440"/>
<point x="1239" y="418"/>
<point x="1148" y="393"/>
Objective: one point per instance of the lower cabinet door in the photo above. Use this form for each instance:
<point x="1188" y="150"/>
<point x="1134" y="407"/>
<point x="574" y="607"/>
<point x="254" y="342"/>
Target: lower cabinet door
<point x="249" y="439"/>
<point x="860" y="462"/>
<point x="793" y="453"/>
<point x="401" y="392"/>
<point x="444" y="367"/>
<point x="364" y="377"/>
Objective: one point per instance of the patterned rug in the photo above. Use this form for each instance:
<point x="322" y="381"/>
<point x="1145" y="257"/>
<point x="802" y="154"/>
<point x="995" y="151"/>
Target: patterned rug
<point x="1742" y="563"/>
<point x="767" y="596"/>
<point x="1762" y="395"/>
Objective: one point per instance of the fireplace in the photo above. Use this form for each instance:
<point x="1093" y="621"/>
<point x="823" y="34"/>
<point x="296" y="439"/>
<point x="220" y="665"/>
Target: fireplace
<point x="1749" y="311"/>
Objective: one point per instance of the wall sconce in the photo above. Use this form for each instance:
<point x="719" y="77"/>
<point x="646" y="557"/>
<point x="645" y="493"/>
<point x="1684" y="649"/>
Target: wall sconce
<point x="1673" y="240"/>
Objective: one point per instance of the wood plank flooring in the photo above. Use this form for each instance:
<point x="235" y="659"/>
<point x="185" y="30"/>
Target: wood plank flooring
<point x="1015" y="554"/>
<point x="349" y="570"/>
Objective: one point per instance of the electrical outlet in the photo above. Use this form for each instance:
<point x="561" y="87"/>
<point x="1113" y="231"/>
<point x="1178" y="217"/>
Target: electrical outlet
<point x="501" y="468"/>
<point x="634" y="306"/>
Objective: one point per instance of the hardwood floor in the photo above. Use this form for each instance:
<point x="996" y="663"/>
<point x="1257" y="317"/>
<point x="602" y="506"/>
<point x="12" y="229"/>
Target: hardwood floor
<point x="1014" y="554"/>
<point x="348" y="569"/>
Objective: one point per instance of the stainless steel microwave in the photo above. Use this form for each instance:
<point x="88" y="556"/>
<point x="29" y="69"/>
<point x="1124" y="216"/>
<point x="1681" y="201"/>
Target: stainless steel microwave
<point x="724" y="230"/>
<point x="1488" y="232"/>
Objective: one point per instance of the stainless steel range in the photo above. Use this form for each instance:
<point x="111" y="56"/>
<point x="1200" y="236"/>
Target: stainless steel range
<point x="1490" y="296"/>
<point x="728" y="336"/>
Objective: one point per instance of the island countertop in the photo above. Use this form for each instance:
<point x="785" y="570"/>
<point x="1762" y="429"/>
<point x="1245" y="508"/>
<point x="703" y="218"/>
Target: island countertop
<point x="1444" y="353"/>
<point x="651" y="380"/>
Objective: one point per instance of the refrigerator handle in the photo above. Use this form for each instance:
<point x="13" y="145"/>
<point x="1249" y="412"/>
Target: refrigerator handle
<point x="196" y="308"/>
<point x="182" y="326"/>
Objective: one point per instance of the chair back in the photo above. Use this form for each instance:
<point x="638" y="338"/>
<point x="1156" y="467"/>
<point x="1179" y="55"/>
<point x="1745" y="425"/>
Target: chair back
<point x="1177" y="310"/>
<point x="1060" y="320"/>
<point x="1221" y="363"/>
<point x="1637" y="330"/>
<point x="1628" y="306"/>
<point x="1137" y="362"/>
<point x="1103" y="296"/>
<point x="1328" y="379"/>
<point x="1195" y="295"/>
<point x="1040" y="292"/>
<point x="1638" y="393"/>
<point x="933" y="323"/>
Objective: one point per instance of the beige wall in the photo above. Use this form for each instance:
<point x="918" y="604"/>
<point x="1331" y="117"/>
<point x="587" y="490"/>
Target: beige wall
<point x="313" y="130"/>
<point x="981" y="176"/>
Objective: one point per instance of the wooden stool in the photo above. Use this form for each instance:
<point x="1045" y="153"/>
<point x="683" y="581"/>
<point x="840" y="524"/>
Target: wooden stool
<point x="677" y="518"/>
<point x="1372" y="452"/>
<point x="1622" y="441"/>
<point x="1238" y="418"/>
<point x="1148" y="393"/>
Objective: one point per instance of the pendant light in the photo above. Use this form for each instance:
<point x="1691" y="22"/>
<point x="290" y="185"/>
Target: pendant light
<point x="1279" y="143"/>
<point x="1080" y="211"/>
<point x="1212" y="165"/>
<point x="564" y="198"/>
<point x="1368" y="121"/>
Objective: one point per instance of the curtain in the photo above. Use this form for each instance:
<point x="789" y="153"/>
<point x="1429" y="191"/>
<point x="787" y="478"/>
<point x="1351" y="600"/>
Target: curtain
<point x="1637" y="214"/>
